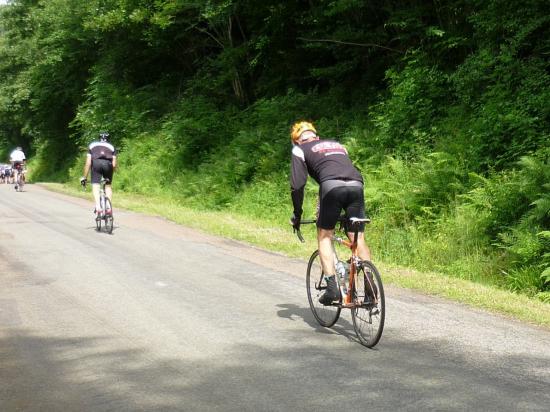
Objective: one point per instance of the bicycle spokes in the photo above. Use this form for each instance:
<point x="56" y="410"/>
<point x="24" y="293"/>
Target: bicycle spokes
<point x="371" y="291"/>
<point x="326" y="315"/>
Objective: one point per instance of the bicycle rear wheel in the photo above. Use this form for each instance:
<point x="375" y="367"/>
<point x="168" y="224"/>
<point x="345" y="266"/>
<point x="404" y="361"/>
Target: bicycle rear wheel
<point x="316" y="286"/>
<point x="369" y="314"/>
<point x="108" y="216"/>
<point x="20" y="183"/>
<point x="99" y="214"/>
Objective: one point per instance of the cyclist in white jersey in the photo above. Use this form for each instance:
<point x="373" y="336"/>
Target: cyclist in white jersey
<point x="101" y="160"/>
<point x="18" y="160"/>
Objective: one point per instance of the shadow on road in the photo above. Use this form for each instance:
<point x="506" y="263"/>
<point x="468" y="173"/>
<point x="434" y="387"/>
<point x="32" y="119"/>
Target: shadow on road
<point x="342" y="327"/>
<point x="48" y="373"/>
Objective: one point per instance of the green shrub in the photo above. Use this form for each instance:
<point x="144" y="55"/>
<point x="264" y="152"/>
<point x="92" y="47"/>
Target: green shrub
<point x="406" y="120"/>
<point x="404" y="191"/>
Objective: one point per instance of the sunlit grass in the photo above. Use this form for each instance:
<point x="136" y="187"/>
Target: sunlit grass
<point x="277" y="236"/>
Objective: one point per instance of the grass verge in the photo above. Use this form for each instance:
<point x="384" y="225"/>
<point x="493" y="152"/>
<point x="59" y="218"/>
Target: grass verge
<point x="277" y="237"/>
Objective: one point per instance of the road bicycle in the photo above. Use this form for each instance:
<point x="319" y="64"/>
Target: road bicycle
<point x="105" y="215"/>
<point x="361" y="288"/>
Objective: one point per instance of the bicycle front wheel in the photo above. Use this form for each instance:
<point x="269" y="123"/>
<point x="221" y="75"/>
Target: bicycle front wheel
<point x="108" y="216"/>
<point x="316" y="286"/>
<point x="98" y="222"/>
<point x="370" y="311"/>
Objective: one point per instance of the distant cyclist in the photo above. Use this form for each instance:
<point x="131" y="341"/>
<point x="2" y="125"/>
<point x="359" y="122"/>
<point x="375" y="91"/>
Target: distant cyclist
<point x="340" y="188"/>
<point x="18" y="160"/>
<point x="101" y="159"/>
<point x="8" y="174"/>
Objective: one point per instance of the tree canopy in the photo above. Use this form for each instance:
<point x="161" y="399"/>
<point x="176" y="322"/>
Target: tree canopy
<point x="460" y="88"/>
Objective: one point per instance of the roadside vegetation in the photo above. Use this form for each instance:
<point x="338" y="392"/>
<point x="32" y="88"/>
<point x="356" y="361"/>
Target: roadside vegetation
<point x="276" y="236"/>
<point x="444" y="106"/>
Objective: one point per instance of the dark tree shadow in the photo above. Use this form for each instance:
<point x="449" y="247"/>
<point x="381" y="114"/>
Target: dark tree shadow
<point x="83" y="374"/>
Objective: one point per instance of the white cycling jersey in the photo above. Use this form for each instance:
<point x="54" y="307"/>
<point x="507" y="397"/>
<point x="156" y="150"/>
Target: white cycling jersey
<point x="17" y="156"/>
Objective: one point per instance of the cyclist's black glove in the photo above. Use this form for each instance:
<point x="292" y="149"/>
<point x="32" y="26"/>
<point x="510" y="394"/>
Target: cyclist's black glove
<point x="295" y="221"/>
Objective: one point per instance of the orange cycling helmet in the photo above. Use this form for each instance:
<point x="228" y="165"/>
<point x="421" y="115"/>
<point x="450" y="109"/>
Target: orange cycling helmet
<point x="300" y="127"/>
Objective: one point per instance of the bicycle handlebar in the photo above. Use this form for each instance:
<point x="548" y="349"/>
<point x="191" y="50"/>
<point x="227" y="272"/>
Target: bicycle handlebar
<point x="341" y="219"/>
<point x="299" y="233"/>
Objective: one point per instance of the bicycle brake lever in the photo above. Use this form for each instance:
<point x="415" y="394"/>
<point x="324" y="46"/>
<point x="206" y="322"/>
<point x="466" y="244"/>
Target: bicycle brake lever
<point x="299" y="234"/>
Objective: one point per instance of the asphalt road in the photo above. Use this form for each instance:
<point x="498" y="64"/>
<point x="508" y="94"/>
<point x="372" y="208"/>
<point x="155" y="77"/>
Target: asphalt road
<point x="161" y="317"/>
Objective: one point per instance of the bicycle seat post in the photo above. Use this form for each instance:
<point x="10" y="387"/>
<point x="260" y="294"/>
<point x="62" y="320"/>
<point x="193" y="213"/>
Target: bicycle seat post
<point x="355" y="223"/>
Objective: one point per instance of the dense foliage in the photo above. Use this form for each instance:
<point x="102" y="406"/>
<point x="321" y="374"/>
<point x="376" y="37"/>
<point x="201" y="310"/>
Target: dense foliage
<point x="444" y="105"/>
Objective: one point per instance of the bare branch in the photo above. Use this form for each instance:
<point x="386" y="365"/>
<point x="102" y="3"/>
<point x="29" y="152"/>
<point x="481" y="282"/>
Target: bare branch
<point x="351" y="44"/>
<point x="211" y="36"/>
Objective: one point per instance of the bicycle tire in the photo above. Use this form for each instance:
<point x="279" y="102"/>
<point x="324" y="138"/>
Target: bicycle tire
<point x="368" y="319"/>
<point x="99" y="218"/>
<point x="19" y="183"/>
<point x="325" y="315"/>
<point x="108" y="218"/>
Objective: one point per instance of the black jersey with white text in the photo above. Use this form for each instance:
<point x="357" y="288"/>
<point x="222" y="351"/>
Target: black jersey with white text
<point x="322" y="160"/>
<point x="101" y="150"/>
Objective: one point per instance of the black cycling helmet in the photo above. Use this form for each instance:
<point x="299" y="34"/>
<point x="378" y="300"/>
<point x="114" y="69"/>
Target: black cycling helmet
<point x="103" y="136"/>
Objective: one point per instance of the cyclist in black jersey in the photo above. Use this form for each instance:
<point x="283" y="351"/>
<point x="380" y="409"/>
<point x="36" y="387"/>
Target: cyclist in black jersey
<point x="101" y="159"/>
<point x="340" y="188"/>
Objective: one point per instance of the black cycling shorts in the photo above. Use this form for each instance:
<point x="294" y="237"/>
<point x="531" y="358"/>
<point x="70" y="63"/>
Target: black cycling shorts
<point x="102" y="167"/>
<point x="338" y="195"/>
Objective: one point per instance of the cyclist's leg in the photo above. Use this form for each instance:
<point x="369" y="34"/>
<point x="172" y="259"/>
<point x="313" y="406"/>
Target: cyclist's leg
<point x="363" y="251"/>
<point x="326" y="251"/>
<point x="329" y="211"/>
<point x="109" y="202"/>
<point x="326" y="256"/>
<point x="95" y="179"/>
<point x="356" y="208"/>
<point x="95" y="191"/>
<point x="107" y="172"/>
<point x="109" y="191"/>
<point x="16" y="174"/>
